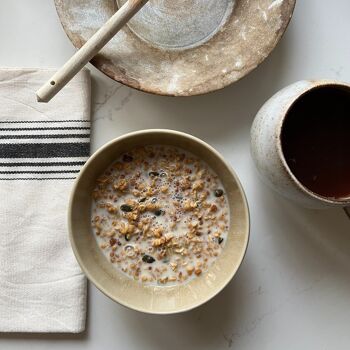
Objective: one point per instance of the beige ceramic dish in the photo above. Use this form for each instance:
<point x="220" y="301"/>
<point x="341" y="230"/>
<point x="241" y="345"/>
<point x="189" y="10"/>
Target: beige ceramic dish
<point x="130" y="293"/>
<point x="181" y="47"/>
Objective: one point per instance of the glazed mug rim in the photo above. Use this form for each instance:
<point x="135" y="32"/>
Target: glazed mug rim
<point x="317" y="84"/>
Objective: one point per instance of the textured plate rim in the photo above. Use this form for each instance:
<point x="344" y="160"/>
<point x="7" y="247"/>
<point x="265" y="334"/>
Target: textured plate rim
<point x="204" y="89"/>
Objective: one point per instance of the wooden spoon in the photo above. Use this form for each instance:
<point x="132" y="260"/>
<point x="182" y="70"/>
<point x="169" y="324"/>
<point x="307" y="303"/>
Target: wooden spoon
<point x="89" y="50"/>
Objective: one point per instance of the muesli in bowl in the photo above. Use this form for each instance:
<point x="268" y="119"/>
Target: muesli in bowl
<point x="160" y="215"/>
<point x="158" y="221"/>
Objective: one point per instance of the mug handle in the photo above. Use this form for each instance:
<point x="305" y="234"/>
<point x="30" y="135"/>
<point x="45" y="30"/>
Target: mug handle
<point x="347" y="211"/>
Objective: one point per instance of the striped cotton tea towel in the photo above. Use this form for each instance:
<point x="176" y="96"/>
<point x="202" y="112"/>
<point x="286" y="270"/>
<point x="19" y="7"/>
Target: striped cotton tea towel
<point x="42" y="147"/>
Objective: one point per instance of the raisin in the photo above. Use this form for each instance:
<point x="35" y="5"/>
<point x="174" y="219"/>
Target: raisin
<point x="218" y="193"/>
<point x="127" y="208"/>
<point x="148" y="259"/>
<point x="127" y="158"/>
<point x="159" y="212"/>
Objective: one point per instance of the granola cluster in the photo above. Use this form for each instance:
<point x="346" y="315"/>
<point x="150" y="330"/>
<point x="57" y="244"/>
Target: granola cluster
<point x="160" y="215"/>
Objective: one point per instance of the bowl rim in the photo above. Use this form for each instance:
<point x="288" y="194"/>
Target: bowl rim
<point x="80" y="261"/>
<point x="99" y="61"/>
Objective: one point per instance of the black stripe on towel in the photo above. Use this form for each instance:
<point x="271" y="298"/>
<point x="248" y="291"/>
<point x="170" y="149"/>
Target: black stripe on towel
<point x="55" y="128"/>
<point x="42" y="164"/>
<point x="39" y="172"/>
<point x="39" y="179"/>
<point x="45" y="150"/>
<point x="53" y="136"/>
<point x="42" y="121"/>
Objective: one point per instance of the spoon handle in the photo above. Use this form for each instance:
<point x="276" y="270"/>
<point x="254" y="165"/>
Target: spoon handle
<point x="89" y="50"/>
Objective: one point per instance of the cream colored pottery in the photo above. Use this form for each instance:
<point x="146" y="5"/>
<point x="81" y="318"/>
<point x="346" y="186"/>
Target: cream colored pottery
<point x="133" y="294"/>
<point x="266" y="146"/>
<point x="181" y="47"/>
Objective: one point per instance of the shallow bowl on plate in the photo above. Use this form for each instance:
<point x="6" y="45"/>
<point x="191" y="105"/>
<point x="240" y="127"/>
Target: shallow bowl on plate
<point x="134" y="294"/>
<point x="181" y="47"/>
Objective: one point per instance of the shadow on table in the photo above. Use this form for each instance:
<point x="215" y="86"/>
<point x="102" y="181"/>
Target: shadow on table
<point x="311" y="246"/>
<point x="203" y="327"/>
<point x="323" y="235"/>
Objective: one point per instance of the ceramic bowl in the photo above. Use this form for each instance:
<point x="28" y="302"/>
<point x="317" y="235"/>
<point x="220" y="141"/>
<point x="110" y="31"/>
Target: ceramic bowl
<point x="181" y="47"/>
<point x="119" y="287"/>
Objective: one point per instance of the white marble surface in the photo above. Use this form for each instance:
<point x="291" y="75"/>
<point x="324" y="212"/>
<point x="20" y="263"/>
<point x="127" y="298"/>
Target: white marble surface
<point x="293" y="289"/>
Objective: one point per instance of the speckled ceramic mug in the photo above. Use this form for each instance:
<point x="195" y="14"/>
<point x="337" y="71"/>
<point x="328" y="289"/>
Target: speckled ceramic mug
<point x="266" y="146"/>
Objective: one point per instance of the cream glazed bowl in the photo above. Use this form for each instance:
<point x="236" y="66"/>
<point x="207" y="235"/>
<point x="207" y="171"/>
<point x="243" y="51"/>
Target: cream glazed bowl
<point x="266" y="145"/>
<point x="131" y="293"/>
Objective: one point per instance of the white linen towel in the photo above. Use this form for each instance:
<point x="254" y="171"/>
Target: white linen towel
<point x="42" y="147"/>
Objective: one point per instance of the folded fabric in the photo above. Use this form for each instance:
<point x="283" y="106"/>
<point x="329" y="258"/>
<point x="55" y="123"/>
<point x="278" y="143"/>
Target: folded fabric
<point x="42" y="147"/>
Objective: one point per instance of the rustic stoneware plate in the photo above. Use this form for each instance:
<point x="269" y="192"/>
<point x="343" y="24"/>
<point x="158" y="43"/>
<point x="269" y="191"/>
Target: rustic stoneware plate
<point x="181" y="47"/>
<point x="119" y="287"/>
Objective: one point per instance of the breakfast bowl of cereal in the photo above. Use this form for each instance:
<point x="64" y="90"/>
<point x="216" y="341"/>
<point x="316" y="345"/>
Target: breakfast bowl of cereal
<point x="158" y="221"/>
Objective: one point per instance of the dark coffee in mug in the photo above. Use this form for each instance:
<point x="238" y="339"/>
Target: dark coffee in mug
<point x="316" y="141"/>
